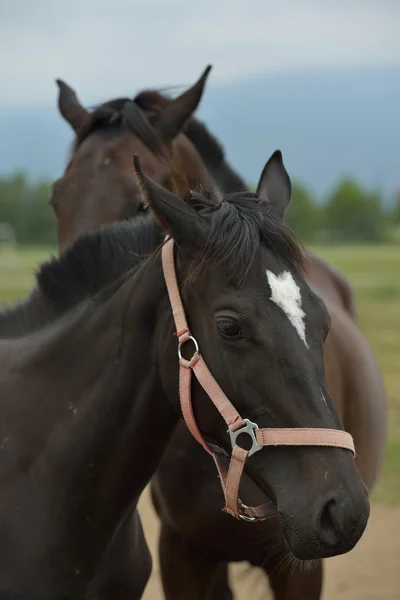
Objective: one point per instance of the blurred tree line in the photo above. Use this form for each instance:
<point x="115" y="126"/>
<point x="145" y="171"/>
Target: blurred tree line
<point x="350" y="213"/>
<point x="25" y="206"/>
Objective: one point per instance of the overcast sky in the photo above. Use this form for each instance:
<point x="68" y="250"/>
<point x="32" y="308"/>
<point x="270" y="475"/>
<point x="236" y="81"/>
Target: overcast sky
<point x="108" y="48"/>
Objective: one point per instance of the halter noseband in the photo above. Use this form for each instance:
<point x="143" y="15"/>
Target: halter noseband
<point x="230" y="478"/>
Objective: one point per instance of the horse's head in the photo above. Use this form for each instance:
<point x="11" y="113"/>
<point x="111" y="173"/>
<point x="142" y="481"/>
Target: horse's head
<point x="98" y="186"/>
<point x="261" y="332"/>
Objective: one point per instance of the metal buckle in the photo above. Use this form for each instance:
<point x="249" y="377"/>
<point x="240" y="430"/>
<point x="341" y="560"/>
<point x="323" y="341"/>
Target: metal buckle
<point x="243" y="516"/>
<point x="188" y="362"/>
<point x="250" y="429"/>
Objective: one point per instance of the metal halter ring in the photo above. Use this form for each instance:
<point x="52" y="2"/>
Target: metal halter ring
<point x="249" y="428"/>
<point x="188" y="362"/>
<point x="243" y="516"/>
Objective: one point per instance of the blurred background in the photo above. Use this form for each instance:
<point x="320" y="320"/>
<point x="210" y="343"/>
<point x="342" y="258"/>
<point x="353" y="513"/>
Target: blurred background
<point x="318" y="79"/>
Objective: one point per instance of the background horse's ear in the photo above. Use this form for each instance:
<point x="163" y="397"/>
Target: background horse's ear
<point x="70" y="107"/>
<point x="175" y="216"/>
<point x="177" y="112"/>
<point x="275" y="185"/>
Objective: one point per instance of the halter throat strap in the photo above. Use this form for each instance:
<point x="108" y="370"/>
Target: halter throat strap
<point x="230" y="475"/>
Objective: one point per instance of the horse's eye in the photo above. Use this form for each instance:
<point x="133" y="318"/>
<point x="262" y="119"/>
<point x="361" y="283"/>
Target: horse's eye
<point x="228" y="329"/>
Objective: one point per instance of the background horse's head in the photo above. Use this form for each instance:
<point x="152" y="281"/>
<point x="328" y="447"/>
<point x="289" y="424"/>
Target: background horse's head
<point x="261" y="331"/>
<point x="98" y="186"/>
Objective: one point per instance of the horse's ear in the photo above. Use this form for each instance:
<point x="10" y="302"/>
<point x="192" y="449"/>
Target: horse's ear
<point x="174" y="116"/>
<point x="70" y="107"/>
<point x="275" y="185"/>
<point x="175" y="216"/>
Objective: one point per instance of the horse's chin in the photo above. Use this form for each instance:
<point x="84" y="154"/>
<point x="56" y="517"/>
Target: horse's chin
<point x="253" y="493"/>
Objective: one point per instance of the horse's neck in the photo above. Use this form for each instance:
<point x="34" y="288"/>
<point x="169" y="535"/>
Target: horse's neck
<point x="134" y="416"/>
<point x="27" y="316"/>
<point x="101" y="422"/>
<point x="213" y="157"/>
<point x="188" y="162"/>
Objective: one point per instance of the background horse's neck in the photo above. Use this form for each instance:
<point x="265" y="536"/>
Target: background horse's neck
<point x="189" y="169"/>
<point x="213" y="157"/>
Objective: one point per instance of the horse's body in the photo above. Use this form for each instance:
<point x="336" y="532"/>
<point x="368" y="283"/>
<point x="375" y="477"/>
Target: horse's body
<point x="92" y="386"/>
<point x="179" y="524"/>
<point x="355" y="383"/>
<point x="72" y="432"/>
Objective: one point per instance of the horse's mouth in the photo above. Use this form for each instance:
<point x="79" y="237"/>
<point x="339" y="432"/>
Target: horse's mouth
<point x="254" y="494"/>
<point x="251" y="492"/>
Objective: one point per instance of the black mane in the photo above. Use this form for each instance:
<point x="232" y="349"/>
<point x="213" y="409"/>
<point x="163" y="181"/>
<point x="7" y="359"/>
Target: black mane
<point x="94" y="262"/>
<point x="238" y="225"/>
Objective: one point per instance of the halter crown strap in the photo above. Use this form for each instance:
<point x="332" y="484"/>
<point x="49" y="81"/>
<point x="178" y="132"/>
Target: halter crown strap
<point x="230" y="478"/>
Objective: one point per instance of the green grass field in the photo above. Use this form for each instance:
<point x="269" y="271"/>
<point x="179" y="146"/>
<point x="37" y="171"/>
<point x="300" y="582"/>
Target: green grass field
<point x="374" y="272"/>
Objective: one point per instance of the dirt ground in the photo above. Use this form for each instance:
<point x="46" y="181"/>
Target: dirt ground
<point x="370" y="572"/>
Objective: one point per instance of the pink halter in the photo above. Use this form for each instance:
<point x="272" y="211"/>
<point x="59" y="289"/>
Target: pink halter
<point x="230" y="478"/>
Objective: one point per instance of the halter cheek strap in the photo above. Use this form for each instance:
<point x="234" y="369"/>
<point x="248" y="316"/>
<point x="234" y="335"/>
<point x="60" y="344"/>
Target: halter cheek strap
<point x="231" y="476"/>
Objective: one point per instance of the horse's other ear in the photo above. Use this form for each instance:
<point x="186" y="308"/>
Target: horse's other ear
<point x="275" y="185"/>
<point x="177" y="112"/>
<point x="70" y="107"/>
<point x="175" y="216"/>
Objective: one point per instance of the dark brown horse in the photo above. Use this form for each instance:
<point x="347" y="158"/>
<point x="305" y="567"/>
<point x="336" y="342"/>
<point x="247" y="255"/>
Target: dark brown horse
<point x="90" y="399"/>
<point x="98" y="186"/>
<point x="81" y="282"/>
<point x="330" y="284"/>
<point x="196" y="541"/>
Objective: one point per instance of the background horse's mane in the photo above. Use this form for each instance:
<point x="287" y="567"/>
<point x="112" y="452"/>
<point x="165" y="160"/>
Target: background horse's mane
<point x="209" y="148"/>
<point x="123" y="114"/>
<point x="213" y="156"/>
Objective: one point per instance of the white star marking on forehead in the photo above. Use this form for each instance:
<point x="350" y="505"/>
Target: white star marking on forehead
<point x="286" y="294"/>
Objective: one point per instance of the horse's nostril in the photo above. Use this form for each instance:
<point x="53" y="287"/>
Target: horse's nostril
<point x="333" y="525"/>
<point x="330" y="526"/>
